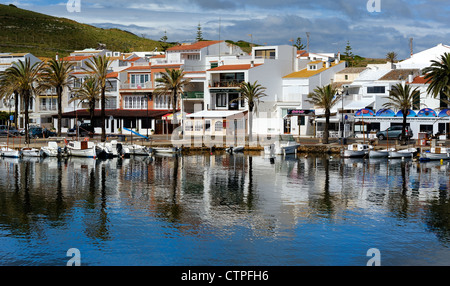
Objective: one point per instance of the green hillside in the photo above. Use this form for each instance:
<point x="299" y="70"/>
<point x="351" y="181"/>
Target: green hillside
<point x="43" y="35"/>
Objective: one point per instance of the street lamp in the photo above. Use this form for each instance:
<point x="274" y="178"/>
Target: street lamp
<point x="342" y="112"/>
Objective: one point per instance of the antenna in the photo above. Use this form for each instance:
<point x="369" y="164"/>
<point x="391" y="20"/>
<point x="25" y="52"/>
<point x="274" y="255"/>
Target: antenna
<point x="411" y="46"/>
<point x="307" y="41"/>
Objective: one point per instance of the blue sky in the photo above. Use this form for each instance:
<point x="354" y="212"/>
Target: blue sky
<point x="331" y="23"/>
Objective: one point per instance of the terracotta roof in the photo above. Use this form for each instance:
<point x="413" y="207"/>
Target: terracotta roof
<point x="399" y="74"/>
<point x="76" y="58"/>
<point x="158" y="56"/>
<point x="420" y="80"/>
<point x="194" y="46"/>
<point x="352" y="70"/>
<point x="112" y="75"/>
<point x="134" y="68"/>
<point x="233" y="67"/>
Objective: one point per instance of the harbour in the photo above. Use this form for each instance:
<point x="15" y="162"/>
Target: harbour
<point x="223" y="209"/>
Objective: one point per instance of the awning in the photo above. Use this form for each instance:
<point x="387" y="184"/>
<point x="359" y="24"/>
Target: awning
<point x="356" y="105"/>
<point x="169" y="116"/>
<point x="426" y="112"/>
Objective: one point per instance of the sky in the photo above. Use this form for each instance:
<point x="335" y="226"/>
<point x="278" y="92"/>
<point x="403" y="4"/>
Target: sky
<point x="372" y="27"/>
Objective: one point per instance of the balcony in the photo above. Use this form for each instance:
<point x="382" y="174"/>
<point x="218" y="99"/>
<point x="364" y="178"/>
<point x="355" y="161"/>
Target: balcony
<point x="226" y="84"/>
<point x="137" y="86"/>
<point x="193" y="95"/>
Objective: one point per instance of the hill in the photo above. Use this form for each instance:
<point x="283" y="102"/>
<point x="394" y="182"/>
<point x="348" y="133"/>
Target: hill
<point x="43" y="35"/>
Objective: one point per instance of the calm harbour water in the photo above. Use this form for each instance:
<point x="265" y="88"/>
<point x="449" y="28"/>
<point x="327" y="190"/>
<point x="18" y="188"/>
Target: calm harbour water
<point x="224" y="210"/>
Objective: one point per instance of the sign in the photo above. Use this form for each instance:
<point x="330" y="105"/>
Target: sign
<point x="300" y="112"/>
<point x="11" y="118"/>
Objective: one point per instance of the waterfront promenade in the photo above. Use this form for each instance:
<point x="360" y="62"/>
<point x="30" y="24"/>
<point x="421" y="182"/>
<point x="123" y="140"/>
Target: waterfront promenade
<point x="308" y="144"/>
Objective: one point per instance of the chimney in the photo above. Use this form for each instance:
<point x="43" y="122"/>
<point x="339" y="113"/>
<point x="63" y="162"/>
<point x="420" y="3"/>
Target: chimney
<point x="410" y="78"/>
<point x="252" y="64"/>
<point x="327" y="64"/>
<point x="56" y="57"/>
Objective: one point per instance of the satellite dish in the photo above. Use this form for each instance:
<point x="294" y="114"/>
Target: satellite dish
<point x="78" y="123"/>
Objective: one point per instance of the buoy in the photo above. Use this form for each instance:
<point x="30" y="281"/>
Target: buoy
<point x="442" y="161"/>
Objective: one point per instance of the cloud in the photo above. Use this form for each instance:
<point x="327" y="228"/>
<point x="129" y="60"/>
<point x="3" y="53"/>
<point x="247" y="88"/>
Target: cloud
<point x="331" y="22"/>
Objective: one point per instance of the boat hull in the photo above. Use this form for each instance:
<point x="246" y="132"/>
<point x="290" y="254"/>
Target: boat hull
<point x="88" y="153"/>
<point x="401" y="154"/>
<point x="378" y="154"/>
<point x="10" y="153"/>
<point x="436" y="156"/>
<point x="31" y="152"/>
<point x="354" y="153"/>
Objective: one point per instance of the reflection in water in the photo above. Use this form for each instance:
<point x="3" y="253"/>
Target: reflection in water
<point x="223" y="209"/>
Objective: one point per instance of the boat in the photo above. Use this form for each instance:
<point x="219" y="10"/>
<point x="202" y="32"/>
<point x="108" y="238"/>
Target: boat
<point x="284" y="145"/>
<point x="138" y="150"/>
<point x="356" y="150"/>
<point x="404" y="153"/>
<point x="166" y="150"/>
<point x="384" y="153"/>
<point x="30" y="152"/>
<point x="436" y="153"/>
<point x="51" y="150"/>
<point x="81" y="149"/>
<point x="5" y="151"/>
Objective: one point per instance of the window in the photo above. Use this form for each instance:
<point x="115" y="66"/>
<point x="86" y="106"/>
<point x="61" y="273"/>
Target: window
<point x="198" y="125"/>
<point x="207" y="125"/>
<point x="376" y="89"/>
<point x="265" y="54"/>
<point x="135" y="102"/>
<point x="218" y="126"/>
<point x="346" y="77"/>
<point x="195" y="57"/>
<point x="221" y="99"/>
<point x="214" y="65"/>
<point x="188" y="126"/>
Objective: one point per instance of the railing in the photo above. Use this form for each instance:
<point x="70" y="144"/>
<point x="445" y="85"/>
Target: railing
<point x="193" y="94"/>
<point x="227" y="84"/>
<point x="46" y="107"/>
<point x="146" y="85"/>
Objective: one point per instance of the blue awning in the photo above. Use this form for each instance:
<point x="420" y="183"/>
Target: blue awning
<point x="426" y="112"/>
<point x="364" y="112"/>
<point x="411" y="113"/>
<point x="385" y="113"/>
<point x="444" y="113"/>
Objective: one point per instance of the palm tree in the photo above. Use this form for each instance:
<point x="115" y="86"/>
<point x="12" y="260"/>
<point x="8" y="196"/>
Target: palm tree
<point x="251" y="93"/>
<point x="172" y="82"/>
<point x="391" y="57"/>
<point x="438" y="76"/>
<point x="89" y="91"/>
<point x="26" y="79"/>
<point x="57" y="75"/>
<point x="99" y="67"/>
<point x="8" y="90"/>
<point x="401" y="97"/>
<point x="325" y="97"/>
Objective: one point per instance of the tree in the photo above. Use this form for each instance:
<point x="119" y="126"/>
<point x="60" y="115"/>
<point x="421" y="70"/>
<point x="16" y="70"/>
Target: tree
<point x="348" y="54"/>
<point x="199" y="33"/>
<point x="401" y="97"/>
<point x="299" y="45"/>
<point x="438" y="76"/>
<point x="172" y="82"/>
<point x="99" y="67"/>
<point x="89" y="91"/>
<point x="164" y="44"/>
<point x="391" y="57"/>
<point x="251" y="93"/>
<point x="325" y="97"/>
<point x="26" y="79"/>
<point x="57" y="74"/>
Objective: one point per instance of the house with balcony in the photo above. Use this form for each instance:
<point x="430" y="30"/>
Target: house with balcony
<point x="296" y="114"/>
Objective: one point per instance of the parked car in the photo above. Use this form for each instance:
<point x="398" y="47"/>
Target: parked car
<point x="39" y="132"/>
<point x="72" y="131"/>
<point x="394" y="132"/>
<point x="12" y="131"/>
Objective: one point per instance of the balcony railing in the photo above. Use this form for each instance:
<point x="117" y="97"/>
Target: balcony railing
<point x="193" y="94"/>
<point x="226" y="84"/>
<point x="47" y="108"/>
<point x="146" y="85"/>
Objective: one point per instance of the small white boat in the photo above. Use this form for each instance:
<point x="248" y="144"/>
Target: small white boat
<point x="404" y="153"/>
<point x="380" y="153"/>
<point x="285" y="145"/>
<point x="137" y="150"/>
<point x="30" y="152"/>
<point x="5" y="151"/>
<point x="436" y="153"/>
<point x="166" y="150"/>
<point x="81" y="149"/>
<point x="51" y="150"/>
<point x="357" y="150"/>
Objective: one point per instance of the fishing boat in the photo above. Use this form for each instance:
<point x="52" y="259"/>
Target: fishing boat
<point x="436" y="153"/>
<point x="384" y="153"/>
<point x="51" y="150"/>
<point x="285" y="145"/>
<point x="356" y="150"/>
<point x="30" y="152"/>
<point x="81" y="149"/>
<point x="404" y="153"/>
<point x="5" y="151"/>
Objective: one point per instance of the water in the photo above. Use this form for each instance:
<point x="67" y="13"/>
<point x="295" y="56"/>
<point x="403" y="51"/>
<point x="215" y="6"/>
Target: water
<point x="224" y="210"/>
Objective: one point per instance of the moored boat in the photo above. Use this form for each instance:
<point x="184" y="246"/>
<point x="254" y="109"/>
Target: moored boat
<point x="51" y="150"/>
<point x="81" y="149"/>
<point x="284" y="145"/>
<point x="5" y="151"/>
<point x="166" y="150"/>
<point x="138" y="150"/>
<point x="384" y="153"/>
<point x="356" y="150"/>
<point x="436" y="153"/>
<point x="30" y="152"/>
<point x="404" y="153"/>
